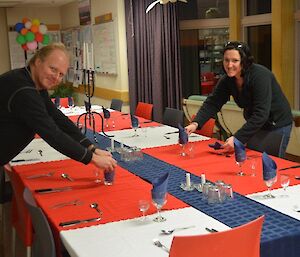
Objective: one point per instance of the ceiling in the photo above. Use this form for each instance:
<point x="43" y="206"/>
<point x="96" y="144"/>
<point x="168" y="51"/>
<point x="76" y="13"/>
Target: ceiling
<point x="36" y="3"/>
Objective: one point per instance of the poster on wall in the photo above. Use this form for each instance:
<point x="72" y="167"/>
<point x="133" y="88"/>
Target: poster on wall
<point x="84" y="12"/>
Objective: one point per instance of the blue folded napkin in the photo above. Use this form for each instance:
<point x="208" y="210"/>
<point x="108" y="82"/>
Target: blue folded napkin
<point x="269" y="167"/>
<point x="134" y="121"/>
<point x="159" y="189"/>
<point x="215" y="146"/>
<point x="57" y="101"/>
<point x="239" y="151"/>
<point x="106" y="113"/>
<point x="183" y="135"/>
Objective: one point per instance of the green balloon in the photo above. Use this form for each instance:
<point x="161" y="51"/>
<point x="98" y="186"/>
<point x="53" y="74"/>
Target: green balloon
<point x="46" y="39"/>
<point x="29" y="36"/>
<point x="21" y="39"/>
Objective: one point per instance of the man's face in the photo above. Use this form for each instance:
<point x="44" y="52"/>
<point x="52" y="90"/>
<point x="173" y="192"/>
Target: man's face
<point x="50" y="72"/>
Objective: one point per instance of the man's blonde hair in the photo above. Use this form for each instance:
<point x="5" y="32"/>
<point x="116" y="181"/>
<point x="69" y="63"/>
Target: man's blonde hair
<point x="47" y="50"/>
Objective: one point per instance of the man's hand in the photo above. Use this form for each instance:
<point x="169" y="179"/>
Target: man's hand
<point x="191" y="128"/>
<point x="104" y="162"/>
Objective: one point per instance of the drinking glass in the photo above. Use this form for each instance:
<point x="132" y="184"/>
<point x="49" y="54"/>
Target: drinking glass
<point x="240" y="161"/>
<point x="284" y="181"/>
<point x="253" y="167"/>
<point x="97" y="174"/>
<point x="183" y="149"/>
<point x="159" y="200"/>
<point x="109" y="177"/>
<point x="70" y="102"/>
<point x="269" y="183"/>
<point x="143" y="206"/>
<point x="135" y="127"/>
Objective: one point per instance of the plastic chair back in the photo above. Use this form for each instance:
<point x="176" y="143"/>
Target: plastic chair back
<point x="43" y="241"/>
<point x="20" y="216"/>
<point x="144" y="110"/>
<point x="173" y="116"/>
<point x="240" y="241"/>
<point x="116" y="104"/>
<point x="207" y="129"/>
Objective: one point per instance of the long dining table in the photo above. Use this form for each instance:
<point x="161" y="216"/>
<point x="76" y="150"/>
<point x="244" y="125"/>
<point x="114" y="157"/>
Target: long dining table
<point x="121" y="230"/>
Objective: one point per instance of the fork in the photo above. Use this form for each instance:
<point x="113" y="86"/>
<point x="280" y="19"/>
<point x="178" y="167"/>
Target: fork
<point x="159" y="244"/>
<point x="70" y="203"/>
<point x="169" y="232"/>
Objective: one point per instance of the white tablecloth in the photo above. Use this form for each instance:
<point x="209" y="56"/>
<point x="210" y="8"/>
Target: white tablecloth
<point x="134" y="238"/>
<point x="286" y="202"/>
<point x="38" y="151"/>
<point x="151" y="136"/>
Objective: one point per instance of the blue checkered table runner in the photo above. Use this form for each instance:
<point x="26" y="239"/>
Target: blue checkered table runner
<point x="280" y="235"/>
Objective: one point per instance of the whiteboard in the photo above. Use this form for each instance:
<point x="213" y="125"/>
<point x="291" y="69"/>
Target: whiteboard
<point x="104" y="43"/>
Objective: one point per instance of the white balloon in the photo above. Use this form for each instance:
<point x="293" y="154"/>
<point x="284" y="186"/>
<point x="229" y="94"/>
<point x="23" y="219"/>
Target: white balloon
<point x="43" y="28"/>
<point x="28" y="24"/>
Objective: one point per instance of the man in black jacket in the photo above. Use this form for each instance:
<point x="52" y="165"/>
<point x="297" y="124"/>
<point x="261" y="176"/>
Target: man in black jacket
<point x="26" y="110"/>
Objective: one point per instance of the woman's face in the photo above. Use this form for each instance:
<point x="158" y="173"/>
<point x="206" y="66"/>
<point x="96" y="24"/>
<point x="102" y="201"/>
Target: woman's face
<point x="232" y="63"/>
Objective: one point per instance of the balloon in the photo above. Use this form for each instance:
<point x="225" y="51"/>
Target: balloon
<point x="39" y="37"/>
<point x="25" y="47"/>
<point x="25" y="19"/>
<point x="36" y="22"/>
<point x="24" y="31"/>
<point x="31" y="45"/>
<point x="43" y="28"/>
<point x="19" y="26"/>
<point x="34" y="28"/>
<point x="46" y="39"/>
<point x="28" y="24"/>
<point x="29" y="36"/>
<point x="21" y="39"/>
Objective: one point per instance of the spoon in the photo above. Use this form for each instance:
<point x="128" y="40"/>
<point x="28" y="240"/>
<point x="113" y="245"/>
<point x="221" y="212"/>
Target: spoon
<point x="40" y="152"/>
<point x="95" y="206"/>
<point x="65" y="175"/>
<point x="159" y="244"/>
<point x="169" y="232"/>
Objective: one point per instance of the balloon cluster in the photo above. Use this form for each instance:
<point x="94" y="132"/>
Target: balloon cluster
<point x="31" y="33"/>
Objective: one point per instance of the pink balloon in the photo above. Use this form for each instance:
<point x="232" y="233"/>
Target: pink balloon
<point x="32" y="45"/>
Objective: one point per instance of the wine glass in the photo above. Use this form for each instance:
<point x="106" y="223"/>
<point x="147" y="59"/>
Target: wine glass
<point x="240" y="158"/>
<point x="269" y="183"/>
<point x="135" y="127"/>
<point x="253" y="167"/>
<point x="70" y="102"/>
<point x="159" y="200"/>
<point x="183" y="148"/>
<point x="143" y="206"/>
<point x="284" y="181"/>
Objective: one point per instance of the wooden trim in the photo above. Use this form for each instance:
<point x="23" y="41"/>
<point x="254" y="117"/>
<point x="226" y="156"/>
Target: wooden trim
<point x="204" y="23"/>
<point x="260" y="19"/>
<point x="106" y="93"/>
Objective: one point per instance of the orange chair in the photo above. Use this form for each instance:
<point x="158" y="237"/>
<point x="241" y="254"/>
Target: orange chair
<point x="20" y="217"/>
<point x="144" y="110"/>
<point x="240" y="241"/>
<point x="207" y="129"/>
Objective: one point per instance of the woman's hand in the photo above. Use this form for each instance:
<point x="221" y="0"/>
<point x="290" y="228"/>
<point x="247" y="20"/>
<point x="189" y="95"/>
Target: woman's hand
<point x="102" y="152"/>
<point x="191" y="128"/>
<point x="228" y="146"/>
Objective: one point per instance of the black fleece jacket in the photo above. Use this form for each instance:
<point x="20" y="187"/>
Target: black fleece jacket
<point x="26" y="111"/>
<point x="263" y="102"/>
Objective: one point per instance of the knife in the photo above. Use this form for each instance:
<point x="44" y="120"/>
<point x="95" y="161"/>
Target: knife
<point x="211" y="230"/>
<point x="292" y="167"/>
<point x="52" y="190"/>
<point x="25" y="160"/>
<point x="76" y="222"/>
<point x="174" y="132"/>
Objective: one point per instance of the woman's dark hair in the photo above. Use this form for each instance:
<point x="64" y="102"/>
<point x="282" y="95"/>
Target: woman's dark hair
<point x="246" y="57"/>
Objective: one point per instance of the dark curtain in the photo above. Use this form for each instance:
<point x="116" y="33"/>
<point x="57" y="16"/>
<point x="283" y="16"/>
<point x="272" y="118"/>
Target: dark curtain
<point x="153" y="55"/>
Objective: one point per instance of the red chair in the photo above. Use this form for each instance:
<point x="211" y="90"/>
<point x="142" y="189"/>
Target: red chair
<point x="240" y="241"/>
<point x="207" y="129"/>
<point x="20" y="217"/>
<point x="144" y="110"/>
